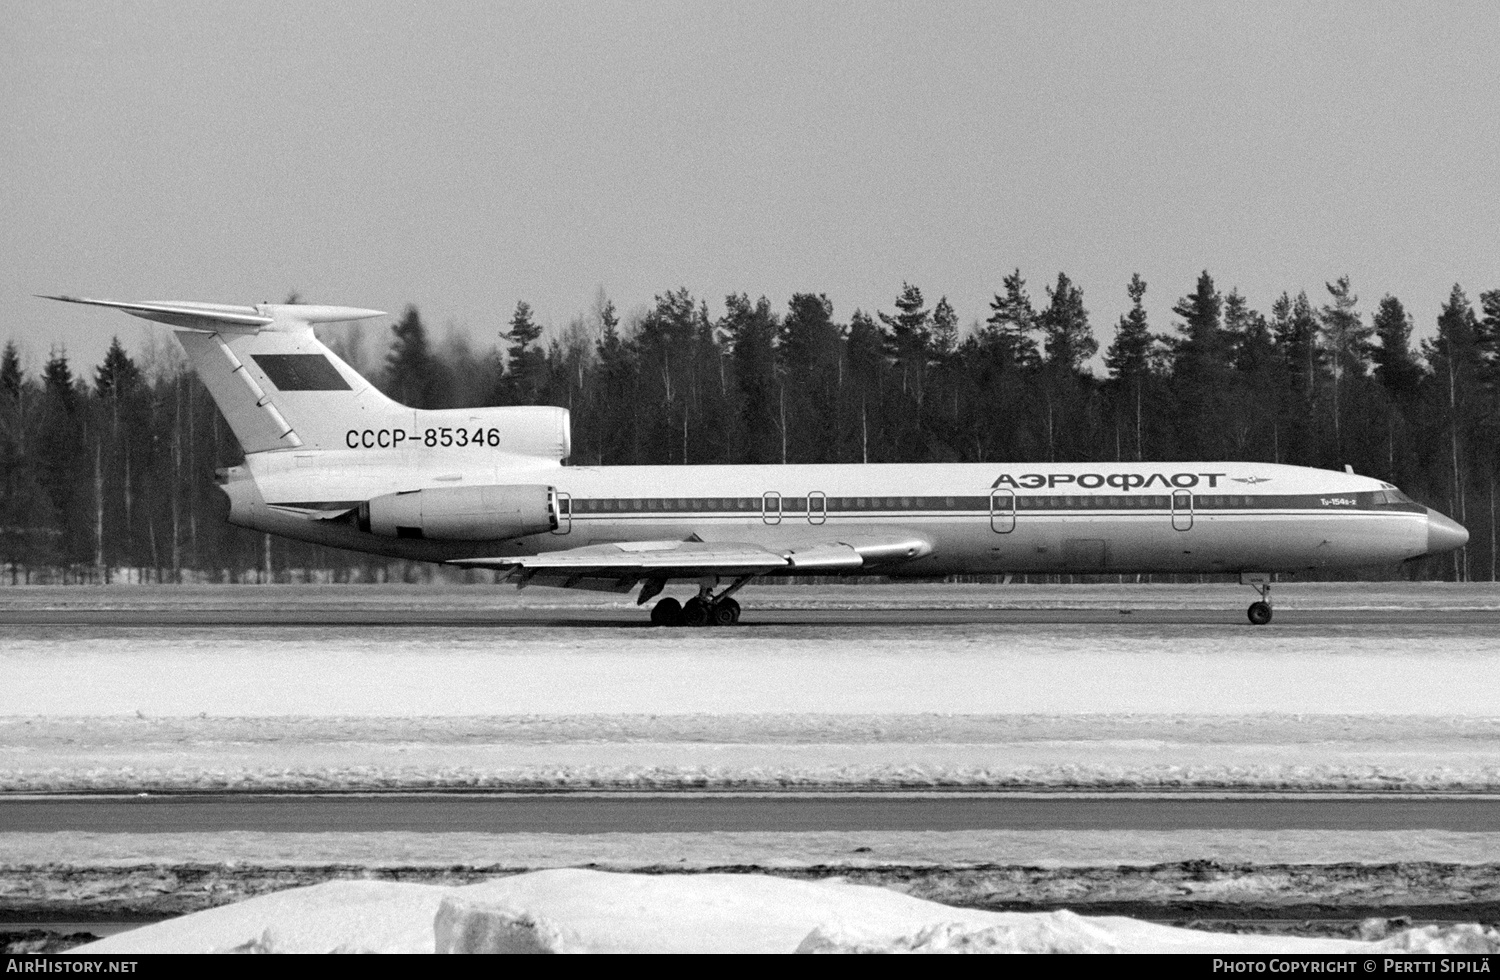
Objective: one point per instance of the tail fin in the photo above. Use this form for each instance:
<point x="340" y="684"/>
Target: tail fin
<point x="278" y="386"/>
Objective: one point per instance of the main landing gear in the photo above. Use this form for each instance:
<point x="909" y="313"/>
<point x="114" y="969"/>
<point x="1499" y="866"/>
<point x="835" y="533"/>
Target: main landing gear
<point x="703" y="609"/>
<point x="1259" y="613"/>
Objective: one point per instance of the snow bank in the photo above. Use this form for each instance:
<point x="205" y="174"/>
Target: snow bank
<point x="1445" y="669"/>
<point x="574" y="910"/>
<point x="1260" y="752"/>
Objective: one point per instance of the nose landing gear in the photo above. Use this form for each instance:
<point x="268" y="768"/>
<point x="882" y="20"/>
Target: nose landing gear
<point x="1259" y="613"/>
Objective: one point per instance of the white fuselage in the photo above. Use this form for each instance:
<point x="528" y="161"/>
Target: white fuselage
<point x="977" y="518"/>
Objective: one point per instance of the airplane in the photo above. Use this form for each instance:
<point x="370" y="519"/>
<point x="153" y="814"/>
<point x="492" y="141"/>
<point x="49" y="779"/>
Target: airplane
<point x="330" y="459"/>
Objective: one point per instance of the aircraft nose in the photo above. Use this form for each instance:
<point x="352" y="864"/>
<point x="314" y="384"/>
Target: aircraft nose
<point x="1444" y="533"/>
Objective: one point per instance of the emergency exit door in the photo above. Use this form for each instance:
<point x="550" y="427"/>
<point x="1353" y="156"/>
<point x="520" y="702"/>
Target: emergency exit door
<point x="1002" y="511"/>
<point x="1182" y="510"/>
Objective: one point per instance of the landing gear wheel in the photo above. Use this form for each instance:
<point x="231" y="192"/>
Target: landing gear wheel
<point x="724" y="613"/>
<point x="668" y="612"/>
<point x="695" y="612"/>
<point x="1259" y="613"/>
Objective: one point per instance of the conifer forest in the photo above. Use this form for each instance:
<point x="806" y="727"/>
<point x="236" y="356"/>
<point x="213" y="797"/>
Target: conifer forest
<point x="106" y="471"/>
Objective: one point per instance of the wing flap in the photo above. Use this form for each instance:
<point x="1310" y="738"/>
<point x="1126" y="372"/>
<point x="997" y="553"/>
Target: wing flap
<point x="828" y="556"/>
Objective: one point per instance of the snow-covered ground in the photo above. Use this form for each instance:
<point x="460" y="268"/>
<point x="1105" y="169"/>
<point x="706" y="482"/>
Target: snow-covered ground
<point x="1438" y="668"/>
<point x="795" y="850"/>
<point x="1102" y="706"/>
<point x="811" y="751"/>
<point x="576" y="910"/>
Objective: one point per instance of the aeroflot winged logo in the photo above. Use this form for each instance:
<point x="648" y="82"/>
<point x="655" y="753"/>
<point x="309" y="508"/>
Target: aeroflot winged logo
<point x="1117" y="481"/>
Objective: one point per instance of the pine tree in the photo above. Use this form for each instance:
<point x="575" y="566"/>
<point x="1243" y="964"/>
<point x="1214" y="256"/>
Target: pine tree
<point x="1457" y="365"/>
<point x="1065" y="325"/>
<point x="1011" y="324"/>
<point x="409" y="367"/>
<point x="1396" y="367"/>
<point x="1069" y="342"/>
<point x="810" y="350"/>
<point x="752" y="329"/>
<point x="1488" y="338"/>
<point x="1259" y="377"/>
<point x="1346" y="338"/>
<point x="910" y="339"/>
<point x="1129" y="358"/>
<point x="617" y="393"/>
<point x="11" y="377"/>
<point x="26" y="517"/>
<point x="57" y="380"/>
<point x="1296" y="331"/>
<point x="944" y="329"/>
<point x="667" y="346"/>
<point x="118" y="377"/>
<point x="116" y="381"/>
<point x="59" y="448"/>
<point x="1487" y="335"/>
<point x="1201" y="371"/>
<point x="526" y="363"/>
<point x="866" y="395"/>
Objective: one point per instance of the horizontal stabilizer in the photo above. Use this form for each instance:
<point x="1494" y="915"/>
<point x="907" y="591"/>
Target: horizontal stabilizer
<point x="190" y="316"/>
<point x="222" y="318"/>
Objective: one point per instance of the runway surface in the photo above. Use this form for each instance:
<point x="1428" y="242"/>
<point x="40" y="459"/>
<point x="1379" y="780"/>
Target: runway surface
<point x="600" y="814"/>
<point x="754" y="618"/>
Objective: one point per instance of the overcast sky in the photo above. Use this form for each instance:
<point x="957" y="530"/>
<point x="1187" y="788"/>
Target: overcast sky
<point x="462" y="156"/>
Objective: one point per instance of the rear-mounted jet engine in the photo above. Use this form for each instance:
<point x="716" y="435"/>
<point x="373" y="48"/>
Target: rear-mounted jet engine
<point x="462" y="513"/>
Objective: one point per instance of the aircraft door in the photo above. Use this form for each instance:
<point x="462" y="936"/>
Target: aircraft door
<point x="564" y="514"/>
<point x="1002" y="511"/>
<point x="770" y="507"/>
<point x="1182" y="510"/>
<point x="817" y="507"/>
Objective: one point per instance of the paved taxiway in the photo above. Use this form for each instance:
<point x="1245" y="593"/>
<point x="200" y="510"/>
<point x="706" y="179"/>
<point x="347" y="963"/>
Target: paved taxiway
<point x="665" y="813"/>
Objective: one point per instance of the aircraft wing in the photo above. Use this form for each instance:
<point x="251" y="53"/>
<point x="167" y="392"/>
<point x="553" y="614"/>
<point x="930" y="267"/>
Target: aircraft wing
<point x="618" y="566"/>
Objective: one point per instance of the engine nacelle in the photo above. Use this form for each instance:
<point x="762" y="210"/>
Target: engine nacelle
<point x="462" y="513"/>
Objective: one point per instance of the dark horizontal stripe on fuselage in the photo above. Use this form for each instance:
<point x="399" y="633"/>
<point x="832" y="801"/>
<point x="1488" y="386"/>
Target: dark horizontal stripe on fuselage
<point x="1002" y="503"/>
